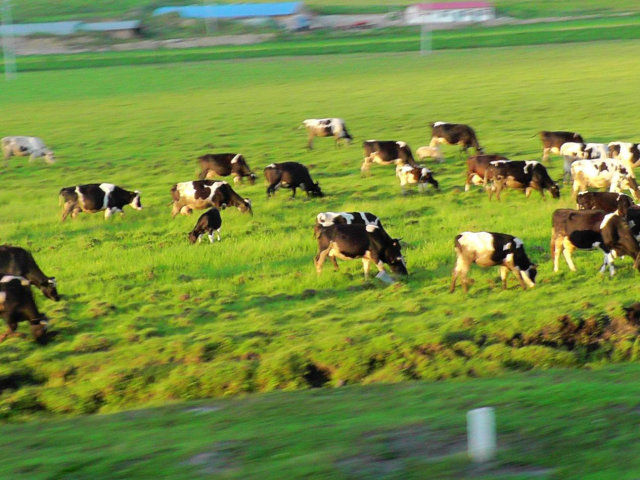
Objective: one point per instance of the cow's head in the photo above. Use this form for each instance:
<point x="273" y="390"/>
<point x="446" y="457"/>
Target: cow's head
<point x="50" y="289"/>
<point x="244" y="205"/>
<point x="314" y="189"/>
<point x="427" y="176"/>
<point x="394" y="258"/>
<point x="135" y="201"/>
<point x="193" y="236"/>
<point x="530" y="275"/>
<point x="49" y="157"/>
<point x="554" y="190"/>
<point x="252" y="178"/>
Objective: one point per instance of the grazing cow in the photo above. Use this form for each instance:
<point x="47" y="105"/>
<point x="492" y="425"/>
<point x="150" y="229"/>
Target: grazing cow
<point x="595" y="151"/>
<point x="626" y="153"/>
<point x="33" y="147"/>
<point x="291" y="175"/>
<point x="527" y="176"/>
<point x="430" y="152"/>
<point x="201" y="194"/>
<point x="589" y="229"/>
<point x="19" y="262"/>
<point x="386" y="152"/>
<point x="326" y="127"/>
<point x="476" y="167"/>
<point x="208" y="222"/>
<point x="17" y="305"/>
<point x="553" y="141"/>
<point x="487" y="249"/>
<point x="215" y="165"/>
<point x="94" y="197"/>
<point x="454" y="134"/>
<point x="326" y="219"/>
<point x="610" y="202"/>
<point x="368" y="242"/>
<point x="410" y="175"/>
<point x="603" y="174"/>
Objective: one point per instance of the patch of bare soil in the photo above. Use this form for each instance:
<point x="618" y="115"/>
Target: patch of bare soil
<point x="222" y="457"/>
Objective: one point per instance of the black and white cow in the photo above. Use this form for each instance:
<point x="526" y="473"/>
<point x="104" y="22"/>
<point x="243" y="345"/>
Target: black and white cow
<point x="19" y="262"/>
<point x="609" y="174"/>
<point x="476" y="168"/>
<point x="291" y="175"/>
<point x="209" y="222"/>
<point x="32" y="147"/>
<point x="17" y="305"/>
<point x="626" y="153"/>
<point x="571" y="152"/>
<point x="367" y="242"/>
<point x="419" y="175"/>
<point x="326" y="219"/>
<point x="94" y="197"/>
<point x="201" y="194"/>
<point x="589" y="229"/>
<point x="326" y="127"/>
<point x="488" y="249"/>
<point x="595" y="151"/>
<point x="526" y="175"/>
<point x="610" y="202"/>
<point x="552" y="141"/>
<point x="215" y="165"/>
<point x="454" y="134"/>
<point x="386" y="152"/>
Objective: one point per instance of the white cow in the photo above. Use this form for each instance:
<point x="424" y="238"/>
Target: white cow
<point x="627" y="153"/>
<point x="33" y="147"/>
<point x="326" y="127"/>
<point x="571" y="151"/>
<point x="594" y="151"/>
<point x="430" y="152"/>
<point x="609" y="174"/>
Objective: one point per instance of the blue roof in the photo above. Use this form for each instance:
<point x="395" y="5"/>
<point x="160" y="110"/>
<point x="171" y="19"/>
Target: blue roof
<point x="50" y="28"/>
<point x="239" y="10"/>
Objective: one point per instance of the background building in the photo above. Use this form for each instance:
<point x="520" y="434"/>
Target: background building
<point x="449" y="12"/>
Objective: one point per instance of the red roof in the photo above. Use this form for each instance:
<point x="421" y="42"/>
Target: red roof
<point x="452" y="5"/>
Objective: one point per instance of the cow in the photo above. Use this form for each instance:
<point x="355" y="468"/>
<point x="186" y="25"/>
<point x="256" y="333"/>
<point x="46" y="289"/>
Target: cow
<point x="215" y="165"/>
<point x="454" y="134"/>
<point x="553" y="141"/>
<point x="326" y="127"/>
<point x="488" y="249"/>
<point x="526" y="175"/>
<point x="476" y="166"/>
<point x="419" y="175"/>
<point x="430" y="152"/>
<point x="291" y="175"/>
<point x="609" y="174"/>
<point x="33" y="147"/>
<point x="201" y="194"/>
<point x="95" y="197"/>
<point x="326" y="219"/>
<point x="368" y="242"/>
<point x="589" y="229"/>
<point x="595" y="151"/>
<point x="571" y="151"/>
<point x="17" y="305"/>
<point x="208" y="222"/>
<point x="626" y="153"/>
<point x="386" y="152"/>
<point x="19" y="262"/>
<point x="610" y="202"/>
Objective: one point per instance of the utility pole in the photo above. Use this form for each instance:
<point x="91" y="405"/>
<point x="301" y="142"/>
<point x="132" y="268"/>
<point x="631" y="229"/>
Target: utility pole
<point x="425" y="39"/>
<point x="8" y="43"/>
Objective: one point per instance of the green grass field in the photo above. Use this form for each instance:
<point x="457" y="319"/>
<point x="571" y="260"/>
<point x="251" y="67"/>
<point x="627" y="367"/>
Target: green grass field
<point x="149" y="318"/>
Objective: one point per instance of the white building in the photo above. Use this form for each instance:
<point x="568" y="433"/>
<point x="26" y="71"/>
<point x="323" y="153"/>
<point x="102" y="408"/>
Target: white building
<point x="449" y="12"/>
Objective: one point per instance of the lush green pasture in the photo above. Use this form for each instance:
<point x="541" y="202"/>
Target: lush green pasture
<point x="560" y="424"/>
<point x="148" y="317"/>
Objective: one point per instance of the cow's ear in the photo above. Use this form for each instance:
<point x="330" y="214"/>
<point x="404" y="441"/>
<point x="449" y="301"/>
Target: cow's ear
<point x="137" y="191"/>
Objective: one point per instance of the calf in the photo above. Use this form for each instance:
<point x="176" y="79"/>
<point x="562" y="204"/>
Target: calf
<point x="208" y="222"/>
<point x="527" y="176"/>
<point x="487" y="249"/>
<point x="419" y="175"/>
<point x="201" y="194"/>
<point x="430" y="152"/>
<point x="603" y="174"/>
<point x="553" y="141"/>
<point x="291" y="175"/>
<point x="454" y="134"/>
<point x="349" y="242"/>
<point x="32" y="147"/>
<point x="589" y="229"/>
<point x="19" y="262"/>
<point x="225" y="164"/>
<point x="326" y="127"/>
<point x="17" y="305"/>
<point x="386" y="152"/>
<point x="476" y="168"/>
<point x="94" y="197"/>
<point x="626" y="153"/>
<point x="610" y="202"/>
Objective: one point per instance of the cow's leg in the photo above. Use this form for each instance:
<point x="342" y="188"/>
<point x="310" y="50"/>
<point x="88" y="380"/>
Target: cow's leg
<point x="218" y="235"/>
<point x="366" y="265"/>
<point x="557" y="244"/>
<point x="527" y="192"/>
<point x="310" y="137"/>
<point x="545" y="154"/>
<point x="322" y="256"/>
<point x="177" y="206"/>
<point x="68" y="208"/>
<point x="504" y="273"/>
<point x="32" y="158"/>
<point x="568" y="250"/>
<point x="200" y="238"/>
<point x="293" y="192"/>
<point x="237" y="179"/>
<point x="467" y="184"/>
<point x="211" y="236"/>
<point x="518" y="274"/>
<point x="461" y="269"/>
<point x="108" y="212"/>
<point x="612" y="268"/>
<point x="76" y="211"/>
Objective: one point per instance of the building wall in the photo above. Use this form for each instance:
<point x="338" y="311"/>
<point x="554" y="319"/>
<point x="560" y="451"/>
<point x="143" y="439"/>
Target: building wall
<point x="417" y="16"/>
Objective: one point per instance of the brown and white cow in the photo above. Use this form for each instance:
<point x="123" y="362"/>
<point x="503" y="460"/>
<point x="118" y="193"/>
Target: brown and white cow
<point x="553" y="141"/>
<point x="610" y="202"/>
<point x="32" y="147"/>
<point x="201" y="194"/>
<point x="418" y="175"/>
<point x="476" y="168"/>
<point x="292" y="175"/>
<point x="609" y="174"/>
<point x="215" y="165"/>
<point x="520" y="175"/>
<point x="626" y="153"/>
<point x="454" y="134"/>
<point x="430" y="152"/>
<point x="386" y="152"/>
<point x="326" y="127"/>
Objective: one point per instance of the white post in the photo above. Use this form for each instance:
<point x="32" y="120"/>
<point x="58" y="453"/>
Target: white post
<point x="8" y="44"/>
<point x="425" y="39"/>
<point x="481" y="434"/>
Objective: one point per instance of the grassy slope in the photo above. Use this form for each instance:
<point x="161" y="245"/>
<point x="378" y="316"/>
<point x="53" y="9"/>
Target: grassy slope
<point x="47" y="10"/>
<point x="556" y="424"/>
<point x="257" y="316"/>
